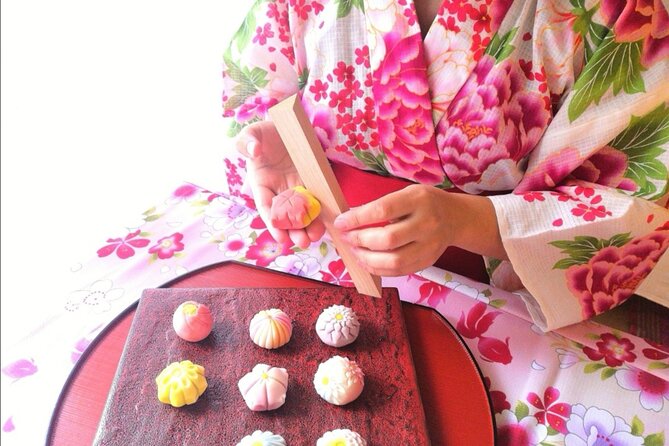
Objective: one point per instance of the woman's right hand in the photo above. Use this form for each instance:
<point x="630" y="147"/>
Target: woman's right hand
<point x="271" y="171"/>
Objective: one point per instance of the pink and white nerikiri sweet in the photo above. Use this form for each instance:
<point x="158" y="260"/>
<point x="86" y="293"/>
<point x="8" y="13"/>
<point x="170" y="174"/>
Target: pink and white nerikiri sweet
<point x="192" y="321"/>
<point x="338" y="326"/>
<point x="264" y="387"/>
<point x="271" y="328"/>
<point x="339" y="380"/>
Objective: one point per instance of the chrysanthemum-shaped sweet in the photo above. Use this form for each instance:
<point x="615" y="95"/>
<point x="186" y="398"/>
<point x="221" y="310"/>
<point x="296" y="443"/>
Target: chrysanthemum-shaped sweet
<point x="192" y="321"/>
<point x="260" y="438"/>
<point x="337" y="326"/>
<point x="181" y="383"/>
<point x="271" y="328"/>
<point x="339" y="380"/>
<point x="341" y="437"/>
<point x="264" y="387"/>
<point x="294" y="208"/>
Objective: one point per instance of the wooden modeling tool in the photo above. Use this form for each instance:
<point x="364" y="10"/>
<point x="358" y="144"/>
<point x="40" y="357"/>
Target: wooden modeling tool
<point x="309" y="158"/>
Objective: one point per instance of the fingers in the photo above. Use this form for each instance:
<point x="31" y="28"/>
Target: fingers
<point x="384" y="238"/>
<point x="405" y="260"/>
<point x="390" y="207"/>
<point x="248" y="141"/>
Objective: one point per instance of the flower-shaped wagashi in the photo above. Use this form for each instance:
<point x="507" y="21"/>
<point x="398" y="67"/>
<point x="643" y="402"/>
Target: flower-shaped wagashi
<point x="339" y="380"/>
<point x="260" y="438"/>
<point x="264" y="387"/>
<point x="294" y="208"/>
<point x="337" y="326"/>
<point x="271" y="328"/>
<point x="181" y="383"/>
<point x="192" y="321"/>
<point x="341" y="437"/>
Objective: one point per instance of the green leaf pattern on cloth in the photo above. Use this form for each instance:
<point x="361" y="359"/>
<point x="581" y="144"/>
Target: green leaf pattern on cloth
<point x="501" y="47"/>
<point x="614" y="66"/>
<point x="644" y="142"/>
<point x="582" y="248"/>
<point x="345" y="7"/>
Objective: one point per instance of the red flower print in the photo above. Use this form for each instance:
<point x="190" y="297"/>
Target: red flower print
<point x="167" y="246"/>
<point x="479" y="45"/>
<point x="613" y="273"/>
<point x="123" y="247"/>
<point x="266" y="249"/>
<point x="344" y="72"/>
<point x="531" y="196"/>
<point x="337" y="274"/>
<point x="585" y="191"/>
<point x="319" y="89"/>
<point x="262" y="34"/>
<point x="497" y="398"/>
<point x="590" y="213"/>
<point x="480" y="17"/>
<point x="551" y="412"/>
<point x="615" y="351"/>
<point x="661" y="353"/>
<point x="362" y="56"/>
<point x="449" y="24"/>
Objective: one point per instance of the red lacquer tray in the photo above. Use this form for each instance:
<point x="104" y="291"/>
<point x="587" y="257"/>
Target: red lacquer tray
<point x="456" y="404"/>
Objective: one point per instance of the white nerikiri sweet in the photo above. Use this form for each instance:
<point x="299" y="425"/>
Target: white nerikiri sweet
<point x="271" y="328"/>
<point x="264" y="387"/>
<point x="337" y="326"/>
<point x="339" y="380"/>
<point x="341" y="437"/>
<point x="260" y="438"/>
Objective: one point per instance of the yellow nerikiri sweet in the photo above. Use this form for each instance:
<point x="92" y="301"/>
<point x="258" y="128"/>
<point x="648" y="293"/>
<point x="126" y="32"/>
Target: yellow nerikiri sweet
<point x="181" y="383"/>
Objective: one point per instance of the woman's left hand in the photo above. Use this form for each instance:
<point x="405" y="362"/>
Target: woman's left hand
<point x="411" y="230"/>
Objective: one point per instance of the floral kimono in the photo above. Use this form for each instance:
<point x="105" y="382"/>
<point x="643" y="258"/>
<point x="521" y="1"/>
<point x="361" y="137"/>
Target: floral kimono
<point x="558" y="110"/>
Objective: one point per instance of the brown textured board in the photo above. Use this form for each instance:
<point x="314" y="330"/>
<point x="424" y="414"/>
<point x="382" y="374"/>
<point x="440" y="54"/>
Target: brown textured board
<point x="309" y="158"/>
<point x="389" y="410"/>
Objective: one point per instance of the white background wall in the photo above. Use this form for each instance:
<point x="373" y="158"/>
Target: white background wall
<point x="107" y="106"/>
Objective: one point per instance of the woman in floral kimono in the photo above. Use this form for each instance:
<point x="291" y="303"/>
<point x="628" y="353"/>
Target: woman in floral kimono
<point x="551" y="117"/>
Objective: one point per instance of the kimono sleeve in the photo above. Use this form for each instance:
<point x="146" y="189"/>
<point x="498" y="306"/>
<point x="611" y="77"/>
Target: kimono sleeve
<point x="258" y="65"/>
<point x="589" y="221"/>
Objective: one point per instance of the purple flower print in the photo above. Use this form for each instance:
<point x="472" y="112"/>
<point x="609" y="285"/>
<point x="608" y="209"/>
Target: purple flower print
<point x="593" y="426"/>
<point x="653" y="390"/>
<point x="20" y="369"/>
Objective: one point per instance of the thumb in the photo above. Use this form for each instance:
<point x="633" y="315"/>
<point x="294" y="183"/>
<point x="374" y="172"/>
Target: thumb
<point x="248" y="142"/>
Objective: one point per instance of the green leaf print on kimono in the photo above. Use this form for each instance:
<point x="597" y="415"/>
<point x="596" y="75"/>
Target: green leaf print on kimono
<point x="603" y="273"/>
<point x="614" y="65"/>
<point x="642" y="143"/>
<point x="345" y="7"/>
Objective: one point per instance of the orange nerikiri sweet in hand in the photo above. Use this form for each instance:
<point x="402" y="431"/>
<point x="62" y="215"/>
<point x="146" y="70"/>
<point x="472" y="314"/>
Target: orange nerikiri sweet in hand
<point x="294" y="208"/>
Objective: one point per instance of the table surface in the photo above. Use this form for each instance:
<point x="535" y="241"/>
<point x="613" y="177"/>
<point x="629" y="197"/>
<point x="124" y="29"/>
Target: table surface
<point x="456" y="403"/>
